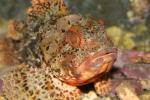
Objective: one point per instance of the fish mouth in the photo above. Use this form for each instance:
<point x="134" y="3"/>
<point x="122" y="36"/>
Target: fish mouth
<point x="92" y="67"/>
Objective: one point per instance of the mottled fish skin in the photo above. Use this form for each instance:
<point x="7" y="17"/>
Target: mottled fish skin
<point x="26" y="83"/>
<point x="56" y="51"/>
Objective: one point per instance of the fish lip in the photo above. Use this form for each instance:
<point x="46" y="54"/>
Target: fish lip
<point x="104" y="53"/>
<point x="78" y="81"/>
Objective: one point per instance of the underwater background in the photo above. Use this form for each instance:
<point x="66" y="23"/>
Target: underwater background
<point x="127" y="21"/>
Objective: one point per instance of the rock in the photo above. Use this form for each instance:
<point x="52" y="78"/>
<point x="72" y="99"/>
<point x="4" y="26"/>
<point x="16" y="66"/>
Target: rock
<point x="4" y="61"/>
<point x="145" y="96"/>
<point x="114" y="85"/>
<point x="1" y="86"/>
<point x="121" y="60"/>
<point x="126" y="92"/>
<point x="146" y="58"/>
<point x="135" y="84"/>
<point x="90" y="96"/>
<point x="137" y="71"/>
<point x="131" y="57"/>
<point x="105" y="98"/>
<point x="145" y="84"/>
<point x="2" y="98"/>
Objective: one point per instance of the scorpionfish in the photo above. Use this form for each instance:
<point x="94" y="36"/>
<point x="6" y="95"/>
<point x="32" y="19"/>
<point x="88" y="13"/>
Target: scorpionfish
<point x="53" y="52"/>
